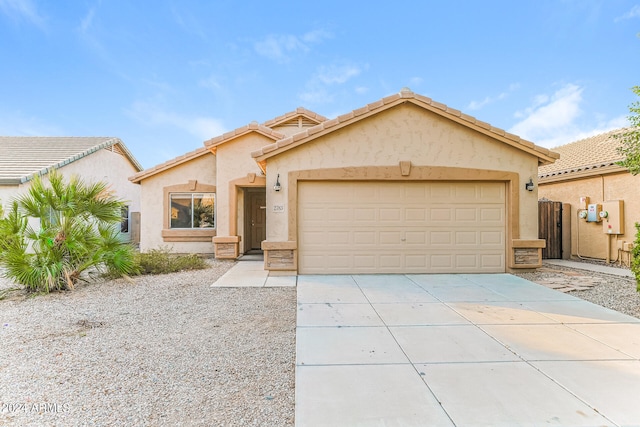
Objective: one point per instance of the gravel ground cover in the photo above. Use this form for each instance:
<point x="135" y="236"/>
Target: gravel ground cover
<point x="164" y="350"/>
<point x="614" y="292"/>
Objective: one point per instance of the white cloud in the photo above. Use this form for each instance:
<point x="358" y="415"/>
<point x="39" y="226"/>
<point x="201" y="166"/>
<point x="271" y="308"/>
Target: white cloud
<point x="211" y="83"/>
<point x="19" y="124"/>
<point x="317" y="88"/>
<point x="361" y="90"/>
<point x="87" y="21"/>
<point x="548" y="115"/>
<point x="316" y="96"/>
<point x="477" y="105"/>
<point x="552" y="120"/>
<point x="277" y="47"/>
<point x="22" y="9"/>
<point x="416" y="81"/>
<point x="574" y="133"/>
<point x="280" y="47"/>
<point x="153" y="115"/>
<point x="316" y="36"/>
<point x="337" y="74"/>
<point x="633" y="13"/>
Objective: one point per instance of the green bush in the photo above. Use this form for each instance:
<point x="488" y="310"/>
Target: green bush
<point x="162" y="261"/>
<point x="635" y="262"/>
<point x="77" y="232"/>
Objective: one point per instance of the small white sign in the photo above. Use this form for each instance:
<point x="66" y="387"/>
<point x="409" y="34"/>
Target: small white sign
<point x="278" y="208"/>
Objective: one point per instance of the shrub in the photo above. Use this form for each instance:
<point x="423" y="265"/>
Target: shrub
<point x="162" y="261"/>
<point x="77" y="233"/>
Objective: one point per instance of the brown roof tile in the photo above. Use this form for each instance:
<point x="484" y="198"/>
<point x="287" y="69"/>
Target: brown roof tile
<point x="589" y="153"/>
<point x="23" y="157"/>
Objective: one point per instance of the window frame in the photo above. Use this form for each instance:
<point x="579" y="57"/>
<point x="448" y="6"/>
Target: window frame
<point x="192" y="197"/>
<point x="187" y="234"/>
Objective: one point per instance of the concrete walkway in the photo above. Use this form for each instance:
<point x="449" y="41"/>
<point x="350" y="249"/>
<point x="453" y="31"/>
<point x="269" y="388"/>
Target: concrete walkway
<point x="252" y="274"/>
<point x="590" y="267"/>
<point x="460" y="350"/>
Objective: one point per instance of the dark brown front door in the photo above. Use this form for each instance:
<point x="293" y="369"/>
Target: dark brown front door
<point x="256" y="214"/>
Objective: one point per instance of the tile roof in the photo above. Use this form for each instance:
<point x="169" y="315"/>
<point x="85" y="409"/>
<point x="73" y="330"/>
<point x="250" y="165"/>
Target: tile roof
<point x="406" y="95"/>
<point x="592" y="153"/>
<point x="169" y="164"/>
<point x="300" y="111"/>
<point x="24" y="157"/>
<point x="210" y="147"/>
<point x="213" y="143"/>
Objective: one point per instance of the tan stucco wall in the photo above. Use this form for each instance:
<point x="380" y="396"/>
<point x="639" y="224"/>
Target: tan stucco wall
<point x="201" y="169"/>
<point x="234" y="164"/>
<point x="103" y="165"/>
<point x="403" y="133"/>
<point x="588" y="239"/>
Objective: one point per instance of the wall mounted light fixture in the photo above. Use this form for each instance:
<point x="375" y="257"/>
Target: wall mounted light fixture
<point x="529" y="185"/>
<point x="277" y="186"/>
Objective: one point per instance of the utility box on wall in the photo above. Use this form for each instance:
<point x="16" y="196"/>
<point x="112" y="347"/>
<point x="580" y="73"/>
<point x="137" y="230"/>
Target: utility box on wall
<point x="593" y="212"/>
<point x="612" y="215"/>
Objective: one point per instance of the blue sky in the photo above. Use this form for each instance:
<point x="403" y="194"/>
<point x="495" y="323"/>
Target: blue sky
<point x="164" y="75"/>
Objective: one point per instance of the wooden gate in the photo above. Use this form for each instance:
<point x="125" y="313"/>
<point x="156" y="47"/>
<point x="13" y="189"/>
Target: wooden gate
<point x="550" y="228"/>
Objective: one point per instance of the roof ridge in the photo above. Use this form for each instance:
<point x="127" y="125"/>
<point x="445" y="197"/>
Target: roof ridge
<point x="297" y="112"/>
<point x="242" y="130"/>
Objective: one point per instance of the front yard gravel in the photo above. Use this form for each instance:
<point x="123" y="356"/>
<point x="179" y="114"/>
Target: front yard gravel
<point x="164" y="350"/>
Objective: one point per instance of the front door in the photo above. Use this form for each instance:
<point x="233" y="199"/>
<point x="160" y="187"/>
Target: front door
<point x="256" y="214"/>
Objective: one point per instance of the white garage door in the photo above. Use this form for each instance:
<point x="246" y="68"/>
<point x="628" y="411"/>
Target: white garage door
<point x="401" y="227"/>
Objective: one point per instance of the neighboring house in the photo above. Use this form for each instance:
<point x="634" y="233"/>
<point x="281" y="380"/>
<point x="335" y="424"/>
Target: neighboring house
<point x="587" y="174"/>
<point x="401" y="185"/>
<point x="91" y="158"/>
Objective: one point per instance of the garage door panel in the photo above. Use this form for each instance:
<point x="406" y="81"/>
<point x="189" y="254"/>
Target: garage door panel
<point x="364" y="237"/>
<point x="440" y="237"/>
<point x="495" y="260"/>
<point x="466" y="261"/>
<point x="338" y="238"/>
<point x="364" y="261"/>
<point x="491" y="214"/>
<point x="492" y="238"/>
<point x="416" y="261"/>
<point x="465" y="214"/>
<point x="441" y="262"/>
<point x="408" y="227"/>
<point x="365" y="214"/>
<point x="415" y="237"/>
<point x="466" y="238"/>
<point x="415" y="214"/>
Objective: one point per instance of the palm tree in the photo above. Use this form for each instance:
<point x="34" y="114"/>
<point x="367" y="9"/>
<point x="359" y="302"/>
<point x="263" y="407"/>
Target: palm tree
<point x="77" y="232"/>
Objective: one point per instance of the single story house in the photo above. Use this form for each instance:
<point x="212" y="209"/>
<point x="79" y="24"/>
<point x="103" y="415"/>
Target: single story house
<point x="92" y="158"/>
<point x="600" y="199"/>
<point x="402" y="185"/>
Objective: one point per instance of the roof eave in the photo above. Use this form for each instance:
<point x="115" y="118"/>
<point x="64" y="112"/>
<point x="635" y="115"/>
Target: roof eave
<point x="11" y="181"/>
<point x="544" y="155"/>
<point x="213" y="143"/>
<point x="137" y="178"/>
<point x="579" y="173"/>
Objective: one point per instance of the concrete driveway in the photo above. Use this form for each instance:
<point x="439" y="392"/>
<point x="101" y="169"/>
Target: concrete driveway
<point x="460" y="350"/>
